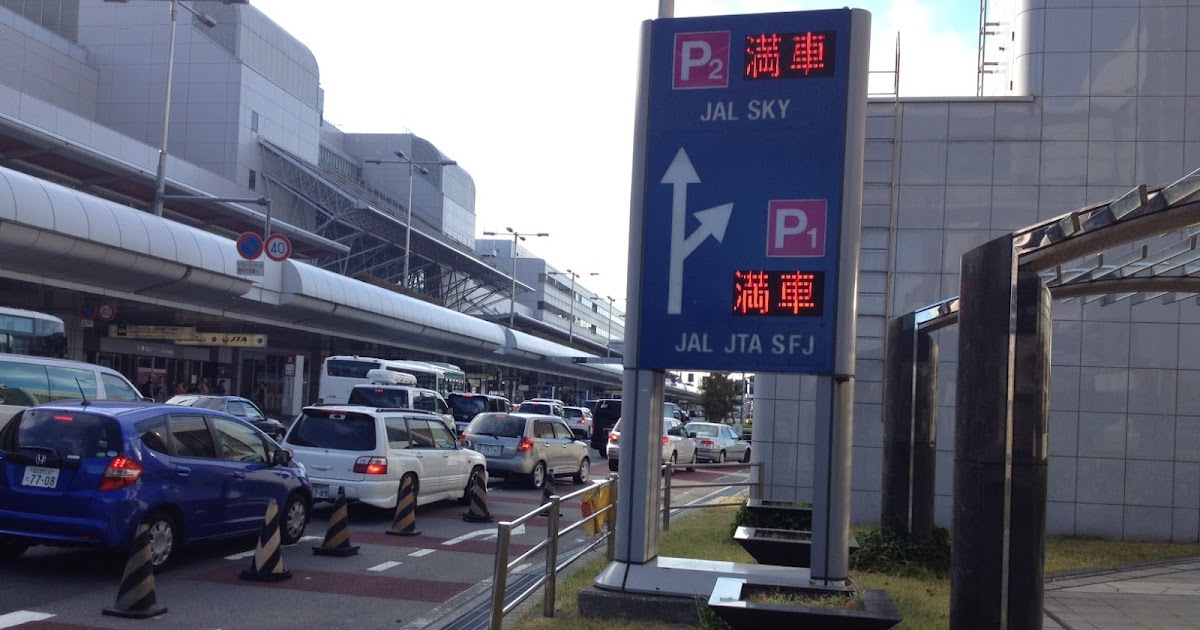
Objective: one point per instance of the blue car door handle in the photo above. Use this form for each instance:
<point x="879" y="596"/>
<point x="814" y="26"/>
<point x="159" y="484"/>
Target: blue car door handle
<point x="183" y="471"/>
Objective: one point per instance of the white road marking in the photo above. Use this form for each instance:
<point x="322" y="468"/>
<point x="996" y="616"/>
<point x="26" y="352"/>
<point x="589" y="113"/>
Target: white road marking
<point x="522" y="568"/>
<point x="21" y="616"/>
<point x="517" y="531"/>
<point x="240" y="556"/>
<point x="422" y="552"/>
<point x="308" y="538"/>
<point x="469" y="535"/>
<point x="385" y="566"/>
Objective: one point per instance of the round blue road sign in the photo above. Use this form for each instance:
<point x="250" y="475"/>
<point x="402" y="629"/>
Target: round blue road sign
<point x="250" y="246"/>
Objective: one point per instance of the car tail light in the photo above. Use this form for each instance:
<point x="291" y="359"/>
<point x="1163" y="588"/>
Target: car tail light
<point x="665" y="440"/>
<point x="613" y="437"/>
<point x="371" y="465"/>
<point x="525" y="444"/>
<point x="122" y="472"/>
<point x="708" y="443"/>
<point x="582" y="421"/>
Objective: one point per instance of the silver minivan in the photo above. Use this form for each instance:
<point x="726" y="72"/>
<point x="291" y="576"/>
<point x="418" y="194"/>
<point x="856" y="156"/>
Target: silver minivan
<point x="27" y="381"/>
<point x="534" y="446"/>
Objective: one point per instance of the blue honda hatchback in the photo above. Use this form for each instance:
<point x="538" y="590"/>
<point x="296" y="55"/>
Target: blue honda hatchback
<point x="79" y="473"/>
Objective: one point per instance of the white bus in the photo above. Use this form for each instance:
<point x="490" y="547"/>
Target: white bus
<point x="31" y="333"/>
<point x="341" y="373"/>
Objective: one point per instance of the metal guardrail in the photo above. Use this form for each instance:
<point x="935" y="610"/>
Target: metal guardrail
<point x="549" y="580"/>
<point x="668" y="486"/>
<point x="503" y="566"/>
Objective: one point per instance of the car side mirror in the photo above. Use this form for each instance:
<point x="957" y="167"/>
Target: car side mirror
<point x="281" y="457"/>
<point x="692" y="434"/>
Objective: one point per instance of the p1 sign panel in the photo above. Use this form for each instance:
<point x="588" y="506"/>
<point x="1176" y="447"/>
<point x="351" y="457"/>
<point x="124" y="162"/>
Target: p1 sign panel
<point x="743" y="201"/>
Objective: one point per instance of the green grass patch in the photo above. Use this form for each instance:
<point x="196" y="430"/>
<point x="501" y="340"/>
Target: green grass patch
<point x="1076" y="554"/>
<point x="922" y="597"/>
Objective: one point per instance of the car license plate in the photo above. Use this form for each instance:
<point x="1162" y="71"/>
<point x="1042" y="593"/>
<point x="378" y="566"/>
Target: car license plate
<point x="489" y="449"/>
<point x="40" y="477"/>
<point x="320" y="491"/>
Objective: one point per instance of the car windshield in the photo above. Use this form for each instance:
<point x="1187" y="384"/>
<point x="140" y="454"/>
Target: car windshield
<point x="544" y="409"/>
<point x="338" y="431"/>
<point x="68" y="434"/>
<point x="468" y="404"/>
<point x="389" y="397"/>
<point x="704" y="430"/>
<point x="198" y="401"/>
<point x="499" y="425"/>
<point x="573" y="412"/>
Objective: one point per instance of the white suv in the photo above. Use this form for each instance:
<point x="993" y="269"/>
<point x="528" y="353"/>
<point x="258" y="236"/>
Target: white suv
<point x="368" y="450"/>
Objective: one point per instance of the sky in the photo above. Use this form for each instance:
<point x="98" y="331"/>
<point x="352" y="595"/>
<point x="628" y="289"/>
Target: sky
<point x="535" y="98"/>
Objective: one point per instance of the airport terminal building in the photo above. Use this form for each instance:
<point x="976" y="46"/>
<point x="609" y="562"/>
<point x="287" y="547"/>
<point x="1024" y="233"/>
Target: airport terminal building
<point x="82" y="104"/>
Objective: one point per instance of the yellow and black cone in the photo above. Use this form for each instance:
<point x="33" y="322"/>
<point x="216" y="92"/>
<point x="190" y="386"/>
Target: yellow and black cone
<point x="136" y="598"/>
<point x="267" y="564"/>
<point x="405" y="521"/>
<point x="337" y="537"/>
<point x="478" y="512"/>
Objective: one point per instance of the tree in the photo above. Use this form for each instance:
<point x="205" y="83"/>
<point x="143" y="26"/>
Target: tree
<point x="718" y="394"/>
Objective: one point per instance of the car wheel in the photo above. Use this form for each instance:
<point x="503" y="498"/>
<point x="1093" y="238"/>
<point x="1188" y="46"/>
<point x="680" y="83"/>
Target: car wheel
<point x="11" y="549"/>
<point x="470" y="489"/>
<point x="721" y="458"/>
<point x="692" y="468"/>
<point x="538" y="478"/>
<point x="164" y="537"/>
<point x="585" y="471"/>
<point x="295" y="519"/>
<point x="612" y="465"/>
<point x="746" y="457"/>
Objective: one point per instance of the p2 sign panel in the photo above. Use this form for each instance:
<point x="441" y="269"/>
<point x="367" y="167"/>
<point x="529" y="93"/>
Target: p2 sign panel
<point x="742" y="212"/>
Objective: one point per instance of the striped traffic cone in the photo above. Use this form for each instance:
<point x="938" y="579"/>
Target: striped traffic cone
<point x="136" y="598"/>
<point x="478" y="513"/>
<point x="337" y="537"/>
<point x="267" y="564"/>
<point x="405" y="522"/>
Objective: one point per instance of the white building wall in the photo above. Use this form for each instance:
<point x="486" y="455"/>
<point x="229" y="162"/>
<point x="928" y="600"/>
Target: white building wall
<point x="1114" y="102"/>
<point x="40" y="64"/>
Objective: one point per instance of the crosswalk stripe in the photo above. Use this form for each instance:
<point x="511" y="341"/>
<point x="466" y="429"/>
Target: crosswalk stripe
<point x="385" y="566"/>
<point x="19" y="617"/>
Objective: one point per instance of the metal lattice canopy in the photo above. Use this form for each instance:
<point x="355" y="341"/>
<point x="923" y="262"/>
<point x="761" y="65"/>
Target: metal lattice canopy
<point x="1073" y="252"/>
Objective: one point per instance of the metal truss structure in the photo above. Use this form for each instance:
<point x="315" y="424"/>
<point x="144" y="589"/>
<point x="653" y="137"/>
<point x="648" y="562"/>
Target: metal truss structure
<point x="1079" y="257"/>
<point x="347" y="211"/>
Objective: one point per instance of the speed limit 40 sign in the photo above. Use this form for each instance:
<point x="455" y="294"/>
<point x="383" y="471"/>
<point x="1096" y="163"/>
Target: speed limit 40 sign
<point x="278" y="247"/>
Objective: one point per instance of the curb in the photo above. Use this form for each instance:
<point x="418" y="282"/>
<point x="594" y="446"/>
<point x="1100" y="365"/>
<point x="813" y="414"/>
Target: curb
<point x="1067" y="575"/>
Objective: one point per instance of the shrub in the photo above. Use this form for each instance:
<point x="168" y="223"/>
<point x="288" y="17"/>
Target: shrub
<point x="903" y="556"/>
<point x="772" y="519"/>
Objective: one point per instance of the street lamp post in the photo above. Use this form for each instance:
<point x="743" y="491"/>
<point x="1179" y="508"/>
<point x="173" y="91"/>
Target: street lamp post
<point x="412" y="165"/>
<point x="160" y="175"/>
<point x="512" y="300"/>
<point x="608" y="328"/>
<point x="571" y="320"/>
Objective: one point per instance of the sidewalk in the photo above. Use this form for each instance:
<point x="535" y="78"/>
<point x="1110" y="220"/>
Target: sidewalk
<point x="1160" y="596"/>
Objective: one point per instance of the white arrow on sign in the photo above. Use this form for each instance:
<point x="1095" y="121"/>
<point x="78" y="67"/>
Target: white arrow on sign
<point x="713" y="222"/>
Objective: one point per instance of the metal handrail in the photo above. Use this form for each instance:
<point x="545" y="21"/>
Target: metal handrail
<point x="552" y="507"/>
<point x="503" y="566"/>
<point x="669" y="472"/>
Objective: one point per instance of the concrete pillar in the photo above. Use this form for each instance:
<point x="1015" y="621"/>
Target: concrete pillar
<point x="982" y="441"/>
<point x="898" y="383"/>
<point x="924" y="458"/>
<point x="1030" y="439"/>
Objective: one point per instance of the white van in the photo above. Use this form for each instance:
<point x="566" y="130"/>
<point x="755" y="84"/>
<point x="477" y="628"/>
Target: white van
<point x="26" y="381"/>
<point x="397" y="390"/>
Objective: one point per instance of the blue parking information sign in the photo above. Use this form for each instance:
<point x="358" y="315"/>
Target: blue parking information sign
<point x="744" y="189"/>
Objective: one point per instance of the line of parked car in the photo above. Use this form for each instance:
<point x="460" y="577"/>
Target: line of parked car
<point x="88" y="471"/>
